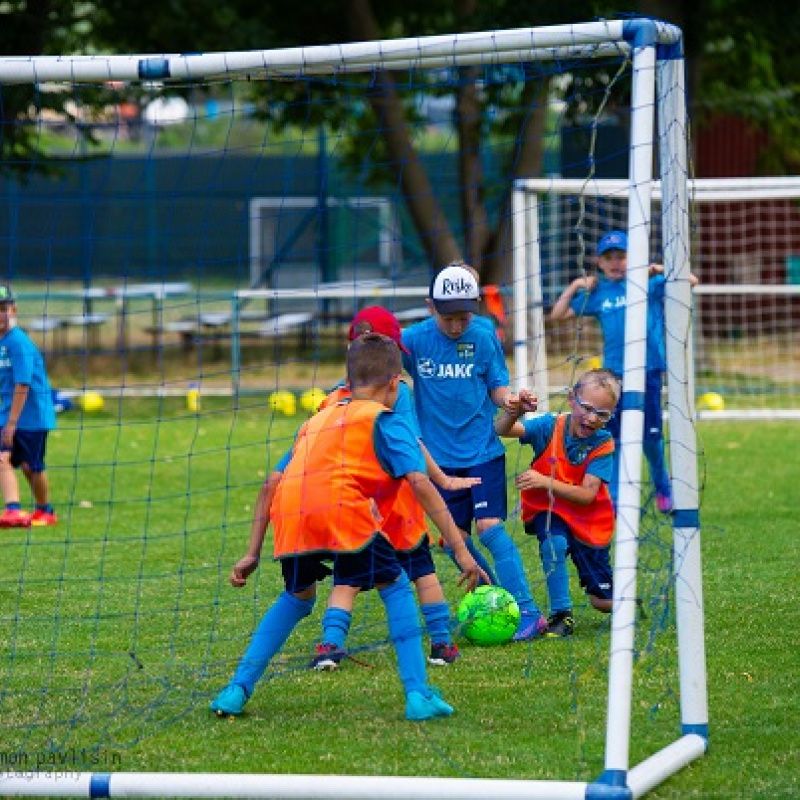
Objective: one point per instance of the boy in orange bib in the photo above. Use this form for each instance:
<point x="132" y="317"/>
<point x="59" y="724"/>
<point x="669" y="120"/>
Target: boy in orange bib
<point x="566" y="503"/>
<point x="347" y="466"/>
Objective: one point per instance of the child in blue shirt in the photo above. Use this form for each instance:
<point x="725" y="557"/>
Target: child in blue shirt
<point x="27" y="415"/>
<point x="565" y="500"/>
<point x="460" y="380"/>
<point x="604" y="298"/>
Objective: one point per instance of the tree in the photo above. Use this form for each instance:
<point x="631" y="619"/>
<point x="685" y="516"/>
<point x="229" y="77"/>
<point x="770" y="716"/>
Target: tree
<point x="735" y="51"/>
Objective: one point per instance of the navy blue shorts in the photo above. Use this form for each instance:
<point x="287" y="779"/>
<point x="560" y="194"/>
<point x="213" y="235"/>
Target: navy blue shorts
<point x="593" y="563"/>
<point x="487" y="500"/>
<point x="29" y="448"/>
<point x="301" y="572"/>
<point x="374" y="565"/>
<point x="417" y="563"/>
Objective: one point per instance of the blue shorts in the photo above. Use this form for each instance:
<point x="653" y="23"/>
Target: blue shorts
<point x="374" y="565"/>
<point x="29" y="448"/>
<point x="593" y="563"/>
<point x="653" y="410"/>
<point x="417" y="563"/>
<point x="301" y="572"/>
<point x="487" y="500"/>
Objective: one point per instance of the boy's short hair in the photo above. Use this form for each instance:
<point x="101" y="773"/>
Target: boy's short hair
<point x="613" y="240"/>
<point x="604" y="378"/>
<point x="372" y="360"/>
<point x="6" y="295"/>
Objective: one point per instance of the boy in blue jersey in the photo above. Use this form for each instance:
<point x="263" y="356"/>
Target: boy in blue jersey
<point x="460" y="380"/>
<point x="26" y="416"/>
<point x="604" y="298"/>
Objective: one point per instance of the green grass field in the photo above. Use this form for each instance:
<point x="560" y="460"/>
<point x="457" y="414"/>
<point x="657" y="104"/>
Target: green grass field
<point x="119" y="626"/>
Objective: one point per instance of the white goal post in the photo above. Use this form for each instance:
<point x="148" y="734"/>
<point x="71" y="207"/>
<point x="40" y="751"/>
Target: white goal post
<point x="746" y="254"/>
<point x="657" y="103"/>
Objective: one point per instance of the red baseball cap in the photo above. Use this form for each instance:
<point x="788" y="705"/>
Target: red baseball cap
<point x="376" y="319"/>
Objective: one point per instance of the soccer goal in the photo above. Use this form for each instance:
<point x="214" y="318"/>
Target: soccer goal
<point x="744" y="234"/>
<point x="119" y="623"/>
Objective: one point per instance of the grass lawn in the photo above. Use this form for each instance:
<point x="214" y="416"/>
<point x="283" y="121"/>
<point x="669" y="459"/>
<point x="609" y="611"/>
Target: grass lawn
<point x="119" y="626"/>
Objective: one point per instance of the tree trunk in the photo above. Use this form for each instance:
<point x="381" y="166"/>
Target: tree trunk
<point x="527" y="162"/>
<point x="469" y="116"/>
<point x="432" y="226"/>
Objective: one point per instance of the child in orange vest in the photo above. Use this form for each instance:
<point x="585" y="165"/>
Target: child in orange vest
<point x="347" y="466"/>
<point x="566" y="502"/>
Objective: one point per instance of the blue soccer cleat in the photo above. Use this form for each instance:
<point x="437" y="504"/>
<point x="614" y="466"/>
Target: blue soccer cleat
<point x="230" y="701"/>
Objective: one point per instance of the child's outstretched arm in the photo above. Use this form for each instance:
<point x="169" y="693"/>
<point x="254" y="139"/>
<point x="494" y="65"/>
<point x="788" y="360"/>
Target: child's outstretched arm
<point x="441" y="478"/>
<point x="246" y="565"/>
<point x="435" y="508"/>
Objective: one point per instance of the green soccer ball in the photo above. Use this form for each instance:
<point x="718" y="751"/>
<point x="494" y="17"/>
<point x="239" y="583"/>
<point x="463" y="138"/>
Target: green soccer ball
<point x="489" y="615"/>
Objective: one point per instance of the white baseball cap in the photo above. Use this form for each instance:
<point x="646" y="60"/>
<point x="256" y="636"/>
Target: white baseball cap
<point x="455" y="290"/>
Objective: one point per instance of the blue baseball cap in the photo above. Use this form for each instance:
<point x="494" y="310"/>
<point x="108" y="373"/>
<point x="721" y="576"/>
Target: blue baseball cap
<point x="6" y="295"/>
<point x="613" y="240"/>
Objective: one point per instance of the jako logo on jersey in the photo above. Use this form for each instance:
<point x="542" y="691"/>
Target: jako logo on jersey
<point x="427" y="368"/>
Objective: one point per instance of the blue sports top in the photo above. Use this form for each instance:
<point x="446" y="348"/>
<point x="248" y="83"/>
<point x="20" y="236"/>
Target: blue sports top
<point x="390" y="446"/>
<point x="452" y="381"/>
<point x="607" y="303"/>
<point x="22" y="363"/>
<point x="539" y="431"/>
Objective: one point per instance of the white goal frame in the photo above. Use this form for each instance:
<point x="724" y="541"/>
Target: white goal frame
<point x="530" y="354"/>
<point x="658" y="95"/>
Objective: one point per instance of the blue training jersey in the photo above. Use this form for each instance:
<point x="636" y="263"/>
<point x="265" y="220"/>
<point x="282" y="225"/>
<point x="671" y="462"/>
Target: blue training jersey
<point x="452" y="381"/>
<point x="539" y="431"/>
<point x="22" y="363"/>
<point x="607" y="304"/>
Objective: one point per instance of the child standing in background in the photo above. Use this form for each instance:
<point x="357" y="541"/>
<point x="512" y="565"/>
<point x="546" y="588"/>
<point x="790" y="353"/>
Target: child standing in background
<point x="27" y="415"/>
<point x="605" y="299"/>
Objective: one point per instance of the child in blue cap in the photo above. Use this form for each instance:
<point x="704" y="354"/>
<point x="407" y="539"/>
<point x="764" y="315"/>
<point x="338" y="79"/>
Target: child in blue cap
<point x="604" y="297"/>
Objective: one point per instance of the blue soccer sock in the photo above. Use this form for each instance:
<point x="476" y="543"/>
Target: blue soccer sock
<point x="553" y="551"/>
<point x="657" y="460"/>
<point x="479" y="557"/>
<point x="336" y="626"/>
<point x="437" y="622"/>
<point x="510" y="570"/>
<point x="271" y="634"/>
<point x="404" y="631"/>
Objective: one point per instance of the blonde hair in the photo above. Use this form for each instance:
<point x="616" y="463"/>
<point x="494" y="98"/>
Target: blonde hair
<point x="604" y="379"/>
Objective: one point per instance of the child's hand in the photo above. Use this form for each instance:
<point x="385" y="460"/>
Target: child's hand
<point x="588" y="283"/>
<point x="242" y="569"/>
<point x="531" y="479"/>
<point x="471" y="573"/>
<point x="511" y="404"/>
<point x="528" y="401"/>
<point x="453" y="484"/>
